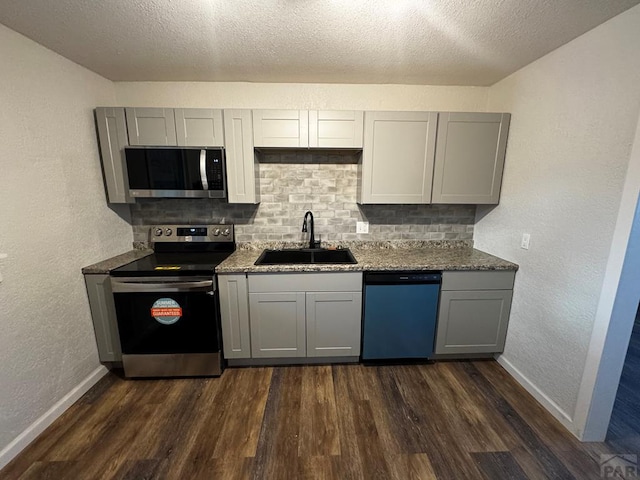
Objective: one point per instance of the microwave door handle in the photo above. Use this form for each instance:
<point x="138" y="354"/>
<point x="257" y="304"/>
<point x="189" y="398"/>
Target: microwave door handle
<point x="203" y="170"/>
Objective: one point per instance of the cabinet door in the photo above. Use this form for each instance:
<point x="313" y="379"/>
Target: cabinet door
<point x="234" y="312"/>
<point x="112" y="137"/>
<point x="397" y="159"/>
<point x="151" y="126"/>
<point x="335" y="129"/>
<point x="242" y="184"/>
<point x="473" y="321"/>
<point x="470" y="157"/>
<point x="281" y="128"/>
<point x="277" y="325"/>
<point x="334" y="322"/>
<point x="103" y="315"/>
<point x="199" y="127"/>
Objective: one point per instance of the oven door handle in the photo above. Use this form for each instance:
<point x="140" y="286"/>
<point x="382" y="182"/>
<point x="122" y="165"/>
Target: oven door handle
<point x="119" y="286"/>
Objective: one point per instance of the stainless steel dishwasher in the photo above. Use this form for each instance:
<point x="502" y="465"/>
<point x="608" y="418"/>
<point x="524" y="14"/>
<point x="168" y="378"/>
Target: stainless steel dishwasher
<point x="400" y="314"/>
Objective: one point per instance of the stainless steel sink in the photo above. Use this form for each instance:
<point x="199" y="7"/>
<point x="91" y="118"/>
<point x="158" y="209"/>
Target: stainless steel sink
<point x="305" y="256"/>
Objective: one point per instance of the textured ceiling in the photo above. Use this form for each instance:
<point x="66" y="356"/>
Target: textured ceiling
<point x="434" y="42"/>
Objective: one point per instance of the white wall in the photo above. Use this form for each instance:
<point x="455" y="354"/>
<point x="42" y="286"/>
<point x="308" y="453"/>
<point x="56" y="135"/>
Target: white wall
<point x="616" y="312"/>
<point x="574" y="117"/>
<point x="301" y="96"/>
<point x="53" y="220"/>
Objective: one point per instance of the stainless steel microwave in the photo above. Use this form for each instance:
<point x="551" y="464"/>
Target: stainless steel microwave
<point x="176" y="172"/>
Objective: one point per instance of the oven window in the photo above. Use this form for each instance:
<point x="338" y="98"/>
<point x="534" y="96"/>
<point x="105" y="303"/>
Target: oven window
<point x="167" y="322"/>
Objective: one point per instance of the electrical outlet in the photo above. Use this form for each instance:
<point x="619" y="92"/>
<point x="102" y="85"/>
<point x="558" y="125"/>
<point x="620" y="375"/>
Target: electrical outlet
<point x="525" y="241"/>
<point x="362" y="227"/>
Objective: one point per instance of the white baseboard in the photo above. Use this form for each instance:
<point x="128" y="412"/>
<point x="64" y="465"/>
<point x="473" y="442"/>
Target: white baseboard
<point x="36" y="428"/>
<point x="552" y="407"/>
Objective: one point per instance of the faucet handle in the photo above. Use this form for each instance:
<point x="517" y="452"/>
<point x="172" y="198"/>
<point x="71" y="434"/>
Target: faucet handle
<point x="318" y="243"/>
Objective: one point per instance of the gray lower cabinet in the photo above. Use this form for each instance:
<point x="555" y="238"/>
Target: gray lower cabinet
<point x="278" y="325"/>
<point x="333" y="324"/>
<point x="234" y="312"/>
<point x="469" y="158"/>
<point x="103" y="314"/>
<point x="474" y="312"/>
<point x="305" y="314"/>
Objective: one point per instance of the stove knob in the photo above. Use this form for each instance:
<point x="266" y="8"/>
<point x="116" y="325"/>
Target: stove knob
<point x="216" y="232"/>
<point x="168" y="232"/>
<point x="157" y="232"/>
<point x="226" y="232"/>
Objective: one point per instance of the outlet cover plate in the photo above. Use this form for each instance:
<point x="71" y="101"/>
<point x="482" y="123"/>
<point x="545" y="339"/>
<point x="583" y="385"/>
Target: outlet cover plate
<point x="362" y="227"/>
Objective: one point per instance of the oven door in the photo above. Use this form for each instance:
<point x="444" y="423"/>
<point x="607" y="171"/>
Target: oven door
<point x="167" y="315"/>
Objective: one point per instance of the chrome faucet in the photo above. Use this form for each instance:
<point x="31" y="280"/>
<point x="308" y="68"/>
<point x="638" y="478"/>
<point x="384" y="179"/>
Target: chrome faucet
<point x="312" y="240"/>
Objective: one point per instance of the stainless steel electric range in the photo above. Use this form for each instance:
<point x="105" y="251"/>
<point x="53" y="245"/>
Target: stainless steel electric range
<point x="167" y="303"/>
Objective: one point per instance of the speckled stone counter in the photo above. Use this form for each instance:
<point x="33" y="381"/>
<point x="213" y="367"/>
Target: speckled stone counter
<point x="114" y="262"/>
<point x="383" y="258"/>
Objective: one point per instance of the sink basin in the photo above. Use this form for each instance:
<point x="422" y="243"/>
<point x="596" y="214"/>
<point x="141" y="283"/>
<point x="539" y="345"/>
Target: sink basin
<point x="305" y="256"/>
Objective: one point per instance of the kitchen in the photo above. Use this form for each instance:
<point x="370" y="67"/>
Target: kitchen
<point x="560" y="284"/>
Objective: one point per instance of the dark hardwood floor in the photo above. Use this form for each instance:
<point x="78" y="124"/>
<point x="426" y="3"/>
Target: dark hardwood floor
<point x="624" y="429"/>
<point x="448" y="420"/>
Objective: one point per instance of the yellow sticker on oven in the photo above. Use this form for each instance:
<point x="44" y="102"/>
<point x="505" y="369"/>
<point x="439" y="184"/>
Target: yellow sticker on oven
<point x="167" y="267"/>
<point x="166" y="311"/>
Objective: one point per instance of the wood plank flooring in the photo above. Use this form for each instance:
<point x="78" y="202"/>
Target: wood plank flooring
<point x="447" y="420"/>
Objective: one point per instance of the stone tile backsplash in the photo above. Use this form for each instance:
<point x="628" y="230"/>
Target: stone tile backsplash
<point x="288" y="190"/>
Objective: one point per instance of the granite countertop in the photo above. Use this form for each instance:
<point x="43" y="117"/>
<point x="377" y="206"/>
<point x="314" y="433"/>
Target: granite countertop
<point x="402" y="258"/>
<point x="106" y="266"/>
<point x="370" y="256"/>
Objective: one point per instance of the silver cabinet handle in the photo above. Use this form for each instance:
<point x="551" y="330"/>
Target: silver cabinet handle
<point x="203" y="170"/>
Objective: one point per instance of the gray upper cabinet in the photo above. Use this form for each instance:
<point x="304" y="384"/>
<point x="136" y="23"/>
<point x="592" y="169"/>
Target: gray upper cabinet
<point x="103" y="315"/>
<point x="242" y="178"/>
<point x="281" y="128"/>
<point x="308" y="128"/>
<point x="234" y="312"/>
<point x="397" y="158"/>
<point x="474" y="312"/>
<point x="151" y="126"/>
<point x="335" y="129"/>
<point x="199" y="127"/>
<point x="470" y="157"/>
<point x="112" y="136"/>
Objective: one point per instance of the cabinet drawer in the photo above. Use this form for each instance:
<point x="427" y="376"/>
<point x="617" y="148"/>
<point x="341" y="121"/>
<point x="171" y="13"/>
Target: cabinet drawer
<point x="305" y="282"/>
<point x="478" y="280"/>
